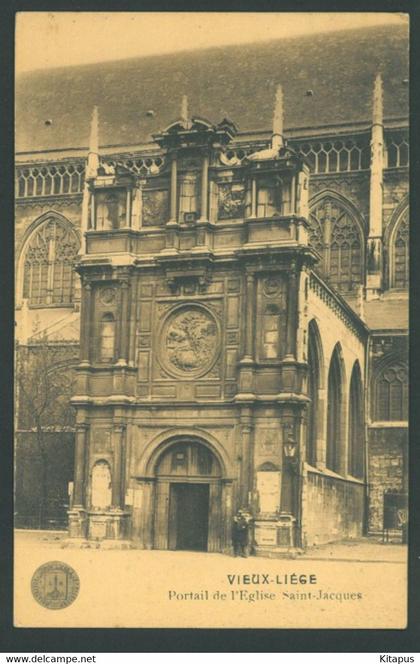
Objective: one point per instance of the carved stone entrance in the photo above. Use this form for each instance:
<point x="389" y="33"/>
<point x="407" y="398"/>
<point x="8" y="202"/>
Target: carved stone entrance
<point x="188" y="499"/>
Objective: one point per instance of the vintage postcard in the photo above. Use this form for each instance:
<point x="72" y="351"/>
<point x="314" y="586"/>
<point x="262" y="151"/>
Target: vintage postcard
<point x="212" y="250"/>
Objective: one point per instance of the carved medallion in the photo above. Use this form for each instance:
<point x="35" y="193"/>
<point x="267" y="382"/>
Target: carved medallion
<point x="272" y="286"/>
<point x="190" y="341"/>
<point x="107" y="295"/>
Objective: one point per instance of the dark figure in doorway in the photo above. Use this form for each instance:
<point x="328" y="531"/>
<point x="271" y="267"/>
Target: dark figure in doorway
<point x="240" y="532"/>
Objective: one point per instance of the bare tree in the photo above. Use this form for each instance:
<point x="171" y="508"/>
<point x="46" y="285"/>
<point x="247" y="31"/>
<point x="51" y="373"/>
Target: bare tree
<point x="44" y="384"/>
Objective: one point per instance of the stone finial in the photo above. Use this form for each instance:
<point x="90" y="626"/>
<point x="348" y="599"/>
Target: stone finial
<point x="378" y="101"/>
<point x="277" y="135"/>
<point x="277" y="138"/>
<point x="184" y="110"/>
<point x="93" y="154"/>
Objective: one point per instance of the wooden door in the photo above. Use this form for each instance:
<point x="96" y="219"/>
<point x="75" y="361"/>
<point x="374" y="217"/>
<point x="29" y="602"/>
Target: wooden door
<point x="189" y="516"/>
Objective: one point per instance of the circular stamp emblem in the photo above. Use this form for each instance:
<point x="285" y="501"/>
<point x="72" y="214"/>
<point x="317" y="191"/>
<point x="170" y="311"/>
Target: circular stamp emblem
<point x="55" y="585"/>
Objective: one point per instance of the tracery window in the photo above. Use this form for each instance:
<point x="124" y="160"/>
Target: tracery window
<point x="392" y="393"/>
<point x="336" y="235"/>
<point x="356" y="431"/>
<point x="334" y="414"/>
<point x="48" y="274"/>
<point x="400" y="253"/>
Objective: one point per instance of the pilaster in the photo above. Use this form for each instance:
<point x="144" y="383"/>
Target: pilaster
<point x="374" y="244"/>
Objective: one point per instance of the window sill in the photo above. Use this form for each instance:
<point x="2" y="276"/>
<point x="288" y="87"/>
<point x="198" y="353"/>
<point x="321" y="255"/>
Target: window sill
<point x="69" y="305"/>
<point x="388" y="424"/>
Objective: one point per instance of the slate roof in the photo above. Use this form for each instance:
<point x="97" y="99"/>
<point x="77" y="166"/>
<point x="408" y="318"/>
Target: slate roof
<point x="234" y="81"/>
<point x="386" y="314"/>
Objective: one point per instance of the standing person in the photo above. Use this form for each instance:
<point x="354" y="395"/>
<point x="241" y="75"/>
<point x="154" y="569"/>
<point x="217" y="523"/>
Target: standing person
<point x="240" y="533"/>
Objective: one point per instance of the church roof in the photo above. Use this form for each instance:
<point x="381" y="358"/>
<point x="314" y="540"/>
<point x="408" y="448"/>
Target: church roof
<point x="139" y="97"/>
<point x="387" y="314"/>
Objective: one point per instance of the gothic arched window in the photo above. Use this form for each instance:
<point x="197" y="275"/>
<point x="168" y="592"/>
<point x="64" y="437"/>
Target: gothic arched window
<point x="400" y="253"/>
<point x="356" y="429"/>
<point x="336" y="235"/>
<point x="313" y="387"/>
<point x="107" y="338"/>
<point x="334" y="414"/>
<point x="392" y="393"/>
<point x="48" y="272"/>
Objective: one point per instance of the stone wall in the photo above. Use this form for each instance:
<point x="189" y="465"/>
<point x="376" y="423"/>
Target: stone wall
<point x="333" y="508"/>
<point x="387" y="468"/>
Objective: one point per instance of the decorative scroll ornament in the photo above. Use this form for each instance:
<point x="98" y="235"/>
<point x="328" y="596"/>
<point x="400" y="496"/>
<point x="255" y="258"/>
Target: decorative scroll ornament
<point x="229" y="158"/>
<point x="190" y="341"/>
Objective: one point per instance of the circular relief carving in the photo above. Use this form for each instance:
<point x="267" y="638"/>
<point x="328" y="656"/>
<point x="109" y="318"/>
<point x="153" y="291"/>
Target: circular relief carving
<point x="107" y="295"/>
<point x="271" y="286"/>
<point x="190" y="341"/>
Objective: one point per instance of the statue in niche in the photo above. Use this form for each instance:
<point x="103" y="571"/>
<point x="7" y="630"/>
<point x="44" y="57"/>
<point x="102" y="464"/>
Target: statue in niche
<point x="111" y="207"/>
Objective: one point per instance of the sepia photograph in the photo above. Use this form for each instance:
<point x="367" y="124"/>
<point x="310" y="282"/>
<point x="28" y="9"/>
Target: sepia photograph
<point x="211" y="319"/>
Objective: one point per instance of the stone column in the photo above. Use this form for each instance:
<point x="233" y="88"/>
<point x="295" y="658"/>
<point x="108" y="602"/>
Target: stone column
<point x="123" y="324"/>
<point x="79" y="466"/>
<point x="117" y="485"/>
<point x="132" y="322"/>
<point x="174" y="190"/>
<point x="85" y="222"/>
<point x="374" y="244"/>
<point x="204" y="188"/>
<point x="247" y="465"/>
<point x="227" y="511"/>
<point x="254" y="197"/>
<point x="136" y="206"/>
<point x="246" y="364"/>
<point x="85" y="323"/>
<point x="92" y="212"/>
<point x="128" y="209"/>
<point x="292" y="301"/>
<point x="249" y="320"/>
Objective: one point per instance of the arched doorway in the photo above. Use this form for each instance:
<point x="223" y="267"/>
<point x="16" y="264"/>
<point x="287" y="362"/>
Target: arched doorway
<point x="188" y="498"/>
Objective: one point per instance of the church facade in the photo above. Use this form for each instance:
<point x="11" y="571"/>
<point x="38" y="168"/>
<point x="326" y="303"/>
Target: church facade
<point x="242" y="301"/>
